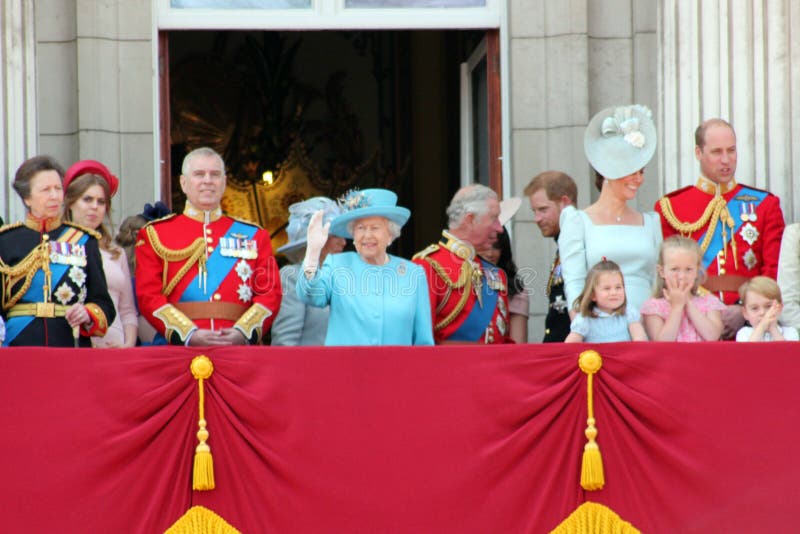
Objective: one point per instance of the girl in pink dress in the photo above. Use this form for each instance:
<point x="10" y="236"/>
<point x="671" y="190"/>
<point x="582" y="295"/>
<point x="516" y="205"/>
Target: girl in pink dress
<point x="679" y="310"/>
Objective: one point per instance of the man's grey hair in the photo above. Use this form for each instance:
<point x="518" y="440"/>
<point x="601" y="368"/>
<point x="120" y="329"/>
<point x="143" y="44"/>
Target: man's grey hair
<point x="202" y="151"/>
<point x="469" y="199"/>
<point x="394" y="228"/>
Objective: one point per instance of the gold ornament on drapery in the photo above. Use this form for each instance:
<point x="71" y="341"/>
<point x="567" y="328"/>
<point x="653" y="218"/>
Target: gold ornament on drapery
<point x="200" y="520"/>
<point x="592" y="477"/>
<point x="203" y="472"/>
<point x="594" y="518"/>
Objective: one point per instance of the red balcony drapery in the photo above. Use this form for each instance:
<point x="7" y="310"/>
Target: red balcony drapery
<point x="461" y="439"/>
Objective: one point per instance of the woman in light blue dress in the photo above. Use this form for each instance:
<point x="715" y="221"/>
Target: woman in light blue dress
<point x="619" y="142"/>
<point x="374" y="298"/>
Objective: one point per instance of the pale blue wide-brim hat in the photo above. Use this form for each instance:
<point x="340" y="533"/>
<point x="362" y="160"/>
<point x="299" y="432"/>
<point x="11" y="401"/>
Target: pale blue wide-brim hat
<point x="368" y="203"/>
<point x="300" y="215"/>
<point x="620" y="140"/>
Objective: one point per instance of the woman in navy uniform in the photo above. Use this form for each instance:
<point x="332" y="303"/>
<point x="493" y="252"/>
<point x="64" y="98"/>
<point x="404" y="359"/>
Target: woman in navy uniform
<point x="53" y="288"/>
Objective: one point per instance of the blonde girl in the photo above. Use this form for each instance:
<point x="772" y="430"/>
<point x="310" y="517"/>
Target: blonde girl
<point x="603" y="315"/>
<point x="679" y="310"/>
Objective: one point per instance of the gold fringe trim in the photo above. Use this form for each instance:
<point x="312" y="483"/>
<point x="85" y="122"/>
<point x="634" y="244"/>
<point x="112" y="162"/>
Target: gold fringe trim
<point x="592" y="477"/>
<point x="200" y="520"/>
<point x="203" y="472"/>
<point x="594" y="518"/>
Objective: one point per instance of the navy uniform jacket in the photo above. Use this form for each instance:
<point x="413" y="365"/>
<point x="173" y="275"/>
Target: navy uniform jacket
<point x="71" y="254"/>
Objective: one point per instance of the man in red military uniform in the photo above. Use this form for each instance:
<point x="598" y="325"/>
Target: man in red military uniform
<point x="469" y="296"/>
<point x="203" y="278"/>
<point x="738" y="227"/>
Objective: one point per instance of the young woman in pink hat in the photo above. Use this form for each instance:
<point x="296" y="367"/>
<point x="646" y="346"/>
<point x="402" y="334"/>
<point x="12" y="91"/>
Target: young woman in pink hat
<point x="89" y="186"/>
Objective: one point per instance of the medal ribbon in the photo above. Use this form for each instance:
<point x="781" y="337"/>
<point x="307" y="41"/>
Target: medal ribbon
<point x="217" y="266"/>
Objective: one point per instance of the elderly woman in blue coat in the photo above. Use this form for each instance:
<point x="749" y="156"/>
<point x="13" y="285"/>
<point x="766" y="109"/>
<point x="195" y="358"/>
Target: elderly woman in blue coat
<point x="375" y="298"/>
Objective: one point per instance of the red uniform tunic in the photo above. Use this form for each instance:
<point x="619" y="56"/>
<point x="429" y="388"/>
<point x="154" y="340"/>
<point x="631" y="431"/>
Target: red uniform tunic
<point x="469" y="297"/>
<point x="746" y="227"/>
<point x="214" y="273"/>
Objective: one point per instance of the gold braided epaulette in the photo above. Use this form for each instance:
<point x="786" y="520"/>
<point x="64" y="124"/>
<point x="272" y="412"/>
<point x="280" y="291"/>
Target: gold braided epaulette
<point x="426" y="252"/>
<point x="94" y="233"/>
<point x="11" y="226"/>
<point x="160" y="219"/>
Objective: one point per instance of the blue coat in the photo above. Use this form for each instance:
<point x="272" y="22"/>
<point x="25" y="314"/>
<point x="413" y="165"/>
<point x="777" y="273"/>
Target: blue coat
<point x="371" y="304"/>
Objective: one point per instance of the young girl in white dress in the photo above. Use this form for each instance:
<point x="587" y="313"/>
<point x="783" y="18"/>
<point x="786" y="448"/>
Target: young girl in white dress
<point x="678" y="311"/>
<point x="603" y="315"/>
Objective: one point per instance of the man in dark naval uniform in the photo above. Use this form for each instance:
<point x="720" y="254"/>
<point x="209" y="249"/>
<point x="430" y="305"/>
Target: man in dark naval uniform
<point x="739" y="227"/>
<point x="548" y="193"/>
<point x="203" y="278"/>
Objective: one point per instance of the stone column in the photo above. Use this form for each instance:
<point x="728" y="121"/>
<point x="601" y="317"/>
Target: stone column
<point x="17" y="98"/>
<point x="738" y="60"/>
<point x="116" y="99"/>
<point x="96" y="95"/>
<point x="549" y="108"/>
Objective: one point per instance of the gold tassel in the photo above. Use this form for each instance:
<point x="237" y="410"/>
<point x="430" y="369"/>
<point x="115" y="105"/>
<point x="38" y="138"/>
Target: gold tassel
<point x="594" y="518"/>
<point x="200" y="520"/>
<point x="203" y="472"/>
<point x="592" y="477"/>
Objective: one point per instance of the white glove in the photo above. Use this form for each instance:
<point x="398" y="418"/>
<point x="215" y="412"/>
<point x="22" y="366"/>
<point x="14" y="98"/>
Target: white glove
<point x="316" y="238"/>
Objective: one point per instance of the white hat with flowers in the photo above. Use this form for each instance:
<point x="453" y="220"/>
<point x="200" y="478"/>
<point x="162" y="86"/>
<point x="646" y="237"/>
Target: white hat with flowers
<point x="620" y="140"/>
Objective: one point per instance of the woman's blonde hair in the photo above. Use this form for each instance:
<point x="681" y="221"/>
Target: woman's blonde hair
<point x="678" y="242"/>
<point x="764" y="286"/>
<point x="584" y="304"/>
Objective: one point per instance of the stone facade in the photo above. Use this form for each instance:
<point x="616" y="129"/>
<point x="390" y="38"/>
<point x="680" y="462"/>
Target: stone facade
<point x="95" y="73"/>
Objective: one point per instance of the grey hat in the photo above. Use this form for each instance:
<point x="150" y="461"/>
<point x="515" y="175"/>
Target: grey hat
<point x="300" y="215"/>
<point x="620" y="140"/>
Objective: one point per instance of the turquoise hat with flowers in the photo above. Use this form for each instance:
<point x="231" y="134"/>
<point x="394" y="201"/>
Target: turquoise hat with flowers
<point x="620" y="140"/>
<point x="300" y="215"/>
<point x="358" y="204"/>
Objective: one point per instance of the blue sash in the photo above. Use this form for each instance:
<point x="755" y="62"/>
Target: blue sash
<point x="15" y="325"/>
<point x="479" y="316"/>
<point x="734" y="208"/>
<point x="217" y="266"/>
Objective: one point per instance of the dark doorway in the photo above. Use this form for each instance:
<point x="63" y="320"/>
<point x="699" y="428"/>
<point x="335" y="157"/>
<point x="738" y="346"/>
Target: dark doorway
<point x="297" y="114"/>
